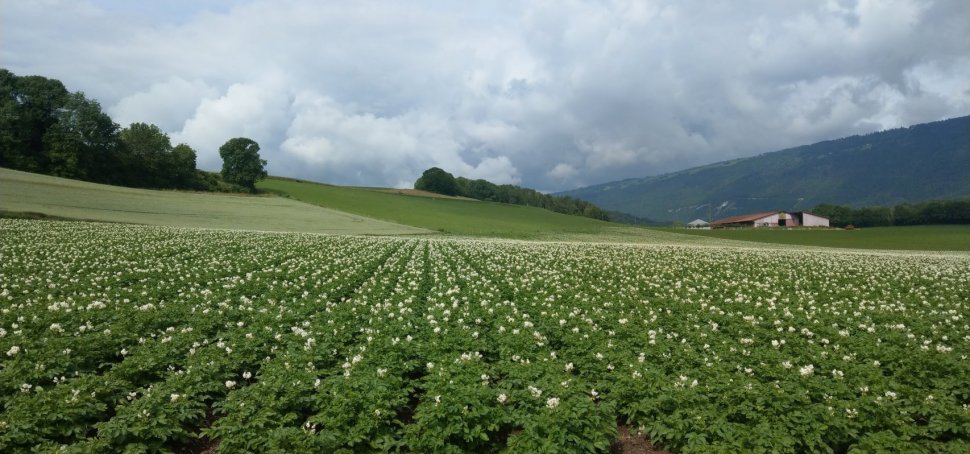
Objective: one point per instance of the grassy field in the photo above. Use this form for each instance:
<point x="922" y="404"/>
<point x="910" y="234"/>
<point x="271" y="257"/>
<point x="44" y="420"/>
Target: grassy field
<point x="321" y="208"/>
<point x="927" y="238"/>
<point x="418" y="193"/>
<point x="444" y="215"/>
<point x="306" y="207"/>
<point x="35" y="195"/>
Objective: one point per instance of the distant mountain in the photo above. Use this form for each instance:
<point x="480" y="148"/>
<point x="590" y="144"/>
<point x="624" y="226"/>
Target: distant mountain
<point x="918" y="163"/>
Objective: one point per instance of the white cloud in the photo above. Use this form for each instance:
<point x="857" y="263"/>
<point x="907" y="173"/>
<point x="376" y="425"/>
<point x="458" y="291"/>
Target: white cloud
<point x="552" y="94"/>
<point x="562" y="171"/>
<point x="494" y="132"/>
<point x="354" y="147"/>
<point x="257" y="110"/>
<point x="609" y="154"/>
<point x="498" y="170"/>
<point x="167" y="104"/>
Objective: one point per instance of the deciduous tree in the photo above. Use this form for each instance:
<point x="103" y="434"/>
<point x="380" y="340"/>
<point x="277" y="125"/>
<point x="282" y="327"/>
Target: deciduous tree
<point x="183" y="170"/>
<point x="28" y="107"/>
<point x="438" y="181"/>
<point x="241" y="163"/>
<point x="83" y="142"/>
<point x="148" y="150"/>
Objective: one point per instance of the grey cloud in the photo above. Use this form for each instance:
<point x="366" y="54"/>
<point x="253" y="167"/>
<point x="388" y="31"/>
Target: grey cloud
<point x="548" y="94"/>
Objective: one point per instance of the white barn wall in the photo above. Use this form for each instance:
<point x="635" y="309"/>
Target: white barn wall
<point x="796" y="219"/>
<point x="810" y="220"/>
<point x="767" y="221"/>
<point x="790" y="220"/>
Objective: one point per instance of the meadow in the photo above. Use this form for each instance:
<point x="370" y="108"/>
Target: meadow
<point x="289" y="205"/>
<point x="31" y="194"/>
<point x="913" y="238"/>
<point x="125" y="338"/>
<point x="444" y="215"/>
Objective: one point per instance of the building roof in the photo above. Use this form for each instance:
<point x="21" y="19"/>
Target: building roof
<point x="744" y="218"/>
<point x="697" y="222"/>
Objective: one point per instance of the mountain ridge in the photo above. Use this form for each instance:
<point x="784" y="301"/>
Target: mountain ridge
<point x="911" y="164"/>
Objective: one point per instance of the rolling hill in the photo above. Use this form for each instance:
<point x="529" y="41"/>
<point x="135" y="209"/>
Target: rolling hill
<point x="301" y="206"/>
<point x="447" y="215"/>
<point x="377" y="211"/>
<point x="918" y="163"/>
<point x="47" y="196"/>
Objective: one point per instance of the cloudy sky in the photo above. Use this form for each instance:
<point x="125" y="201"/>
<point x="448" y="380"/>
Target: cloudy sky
<point x="548" y="94"/>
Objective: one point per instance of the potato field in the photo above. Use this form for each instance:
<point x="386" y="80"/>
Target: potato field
<point x="121" y="338"/>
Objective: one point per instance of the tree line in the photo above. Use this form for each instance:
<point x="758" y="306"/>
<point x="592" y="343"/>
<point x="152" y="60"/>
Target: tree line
<point x="44" y="128"/>
<point x="925" y="213"/>
<point x="441" y="182"/>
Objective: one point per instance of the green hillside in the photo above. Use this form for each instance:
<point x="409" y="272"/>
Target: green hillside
<point x="306" y="207"/>
<point x="345" y="210"/>
<point x="23" y="192"/>
<point x="462" y="217"/>
<point x="919" y="163"/>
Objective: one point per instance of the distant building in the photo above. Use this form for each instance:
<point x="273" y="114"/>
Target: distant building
<point x="774" y="219"/>
<point x="806" y="219"/>
<point x="698" y="224"/>
<point x="767" y="219"/>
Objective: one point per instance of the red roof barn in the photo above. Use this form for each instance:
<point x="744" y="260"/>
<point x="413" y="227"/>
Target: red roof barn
<point x="774" y="219"/>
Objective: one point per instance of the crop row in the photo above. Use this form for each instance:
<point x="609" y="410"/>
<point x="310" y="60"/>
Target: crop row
<point x="116" y="338"/>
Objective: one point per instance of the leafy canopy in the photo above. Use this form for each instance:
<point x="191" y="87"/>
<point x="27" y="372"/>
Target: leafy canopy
<point x="241" y="163"/>
<point x="441" y="182"/>
<point x="46" y="129"/>
<point x="438" y="181"/>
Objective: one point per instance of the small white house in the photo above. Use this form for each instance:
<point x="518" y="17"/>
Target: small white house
<point x="698" y="224"/>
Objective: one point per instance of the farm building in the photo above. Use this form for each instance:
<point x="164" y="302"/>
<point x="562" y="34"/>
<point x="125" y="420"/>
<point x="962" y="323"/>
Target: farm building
<point x="806" y="219"/>
<point x="774" y="219"/>
<point x="698" y="224"/>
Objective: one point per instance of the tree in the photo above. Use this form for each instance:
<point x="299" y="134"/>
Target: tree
<point x="480" y="189"/>
<point x="28" y="107"/>
<point x="148" y="150"/>
<point x="182" y="166"/>
<point x="83" y="142"/>
<point x="872" y="217"/>
<point x="437" y="181"/>
<point x="907" y="214"/>
<point x="10" y="153"/>
<point x="441" y="182"/>
<point x="241" y="163"/>
<point x="838" y="215"/>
